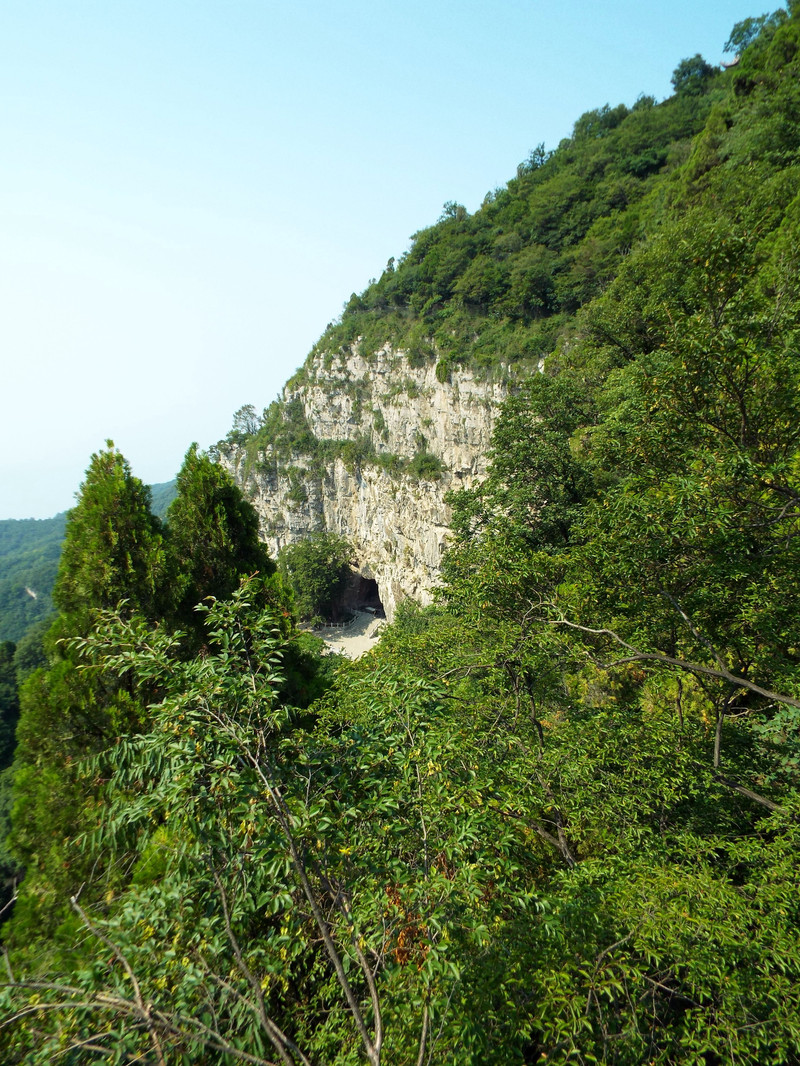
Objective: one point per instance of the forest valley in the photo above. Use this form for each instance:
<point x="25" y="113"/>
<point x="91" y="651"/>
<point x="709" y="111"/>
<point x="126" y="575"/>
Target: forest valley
<point x="553" y="818"/>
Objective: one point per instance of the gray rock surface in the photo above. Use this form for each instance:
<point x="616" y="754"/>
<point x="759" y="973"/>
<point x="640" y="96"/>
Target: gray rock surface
<point x="396" y="522"/>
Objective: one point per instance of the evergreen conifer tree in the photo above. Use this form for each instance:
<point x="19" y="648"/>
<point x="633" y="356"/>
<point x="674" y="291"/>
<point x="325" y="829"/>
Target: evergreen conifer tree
<point x="112" y="554"/>
<point x="212" y="538"/>
<point x="112" y="546"/>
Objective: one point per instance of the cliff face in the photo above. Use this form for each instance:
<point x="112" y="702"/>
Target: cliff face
<point x="384" y="441"/>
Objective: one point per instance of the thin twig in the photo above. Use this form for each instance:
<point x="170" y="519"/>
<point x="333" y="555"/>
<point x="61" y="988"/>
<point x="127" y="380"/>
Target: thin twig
<point x="277" y="1038"/>
<point x="143" y="1008"/>
<point x="668" y="660"/>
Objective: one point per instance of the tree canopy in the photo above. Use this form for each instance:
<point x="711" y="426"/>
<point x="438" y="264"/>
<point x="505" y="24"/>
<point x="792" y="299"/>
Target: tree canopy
<point x="316" y="568"/>
<point x="212" y="536"/>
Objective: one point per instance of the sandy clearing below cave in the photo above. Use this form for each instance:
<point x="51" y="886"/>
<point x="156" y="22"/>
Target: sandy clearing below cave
<point x="357" y="638"/>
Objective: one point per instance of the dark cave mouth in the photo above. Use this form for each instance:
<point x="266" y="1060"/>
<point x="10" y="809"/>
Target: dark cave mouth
<point x="361" y="594"/>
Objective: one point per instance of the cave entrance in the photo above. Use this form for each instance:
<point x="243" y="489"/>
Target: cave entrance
<point x="361" y="594"/>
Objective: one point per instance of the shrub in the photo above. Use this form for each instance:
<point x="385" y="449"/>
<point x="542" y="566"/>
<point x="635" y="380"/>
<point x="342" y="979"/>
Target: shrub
<point x="316" y="568"/>
<point x="426" y="466"/>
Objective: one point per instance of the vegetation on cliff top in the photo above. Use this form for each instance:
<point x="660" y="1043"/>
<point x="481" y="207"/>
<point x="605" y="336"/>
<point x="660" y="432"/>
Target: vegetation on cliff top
<point x="499" y="290"/>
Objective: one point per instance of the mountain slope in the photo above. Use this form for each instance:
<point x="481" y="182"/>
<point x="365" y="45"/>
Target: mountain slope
<point x="396" y="403"/>
<point x="29" y="552"/>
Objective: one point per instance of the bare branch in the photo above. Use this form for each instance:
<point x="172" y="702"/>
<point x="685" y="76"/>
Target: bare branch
<point x="699" y="636"/>
<point x="144" y="1010"/>
<point x="423" y="1036"/>
<point x="89" y="1044"/>
<point x="636" y="656"/>
<point x="754" y="796"/>
<point x="277" y="1038"/>
<point x="559" y="843"/>
<point x="8" y="903"/>
<point x="174" y="1024"/>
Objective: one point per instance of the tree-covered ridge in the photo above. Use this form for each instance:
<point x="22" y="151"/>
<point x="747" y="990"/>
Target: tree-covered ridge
<point x="553" y="819"/>
<point x="29" y="552"/>
<point x="498" y="285"/>
<point x="498" y="290"/>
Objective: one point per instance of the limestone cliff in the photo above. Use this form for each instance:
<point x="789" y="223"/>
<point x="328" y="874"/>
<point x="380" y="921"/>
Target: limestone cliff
<point x="367" y="447"/>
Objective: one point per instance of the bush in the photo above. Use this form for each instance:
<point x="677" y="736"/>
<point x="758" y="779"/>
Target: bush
<point x="426" y="466"/>
<point x="317" y="569"/>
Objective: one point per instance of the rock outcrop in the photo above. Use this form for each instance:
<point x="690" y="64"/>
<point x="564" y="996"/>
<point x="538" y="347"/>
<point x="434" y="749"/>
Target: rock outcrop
<point x="368" y="448"/>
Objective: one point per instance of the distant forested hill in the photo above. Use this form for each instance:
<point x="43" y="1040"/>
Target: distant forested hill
<point x="29" y="552"/>
<point x="162" y="496"/>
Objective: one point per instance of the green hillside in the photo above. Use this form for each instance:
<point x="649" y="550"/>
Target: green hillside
<point x="499" y="290"/>
<point x="501" y="285"/>
<point x="29" y="552"/>
<point x="552" y="819"/>
<point x="162" y="496"/>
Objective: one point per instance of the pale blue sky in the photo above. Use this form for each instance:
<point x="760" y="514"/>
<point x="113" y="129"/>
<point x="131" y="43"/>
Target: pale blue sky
<point x="191" y="191"/>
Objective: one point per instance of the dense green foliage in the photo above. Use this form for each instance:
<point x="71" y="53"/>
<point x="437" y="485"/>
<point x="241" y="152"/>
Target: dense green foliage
<point x="316" y="569"/>
<point x="9" y="715"/>
<point x="29" y="553"/>
<point x="17" y="662"/>
<point x="554" y="818"/>
<point x="212" y="538"/>
<point x="113" y="544"/>
<point x="112" y="554"/>
<point x="116" y="555"/>
<point x="9" y="703"/>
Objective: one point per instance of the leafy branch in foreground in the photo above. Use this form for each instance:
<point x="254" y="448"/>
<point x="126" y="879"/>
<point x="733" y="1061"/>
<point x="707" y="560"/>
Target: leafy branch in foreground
<point x="293" y="898"/>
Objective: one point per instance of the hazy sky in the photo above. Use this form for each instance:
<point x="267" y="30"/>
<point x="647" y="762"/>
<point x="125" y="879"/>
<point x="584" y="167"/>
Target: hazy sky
<point x="190" y="191"/>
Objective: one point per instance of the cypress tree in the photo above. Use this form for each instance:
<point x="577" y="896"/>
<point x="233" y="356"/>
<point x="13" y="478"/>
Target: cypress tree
<point x="113" y="544"/>
<point x="212" y="538"/>
<point x="112" y="555"/>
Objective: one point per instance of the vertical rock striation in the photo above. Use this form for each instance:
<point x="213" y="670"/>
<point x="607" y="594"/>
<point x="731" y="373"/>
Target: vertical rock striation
<point x="376" y="444"/>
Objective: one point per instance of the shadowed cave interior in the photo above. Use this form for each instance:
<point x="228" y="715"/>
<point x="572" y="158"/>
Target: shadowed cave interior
<point x="360" y="594"/>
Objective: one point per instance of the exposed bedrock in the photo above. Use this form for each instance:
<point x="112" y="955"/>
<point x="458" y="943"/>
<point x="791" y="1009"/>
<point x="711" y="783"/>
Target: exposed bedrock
<point x="415" y="434"/>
